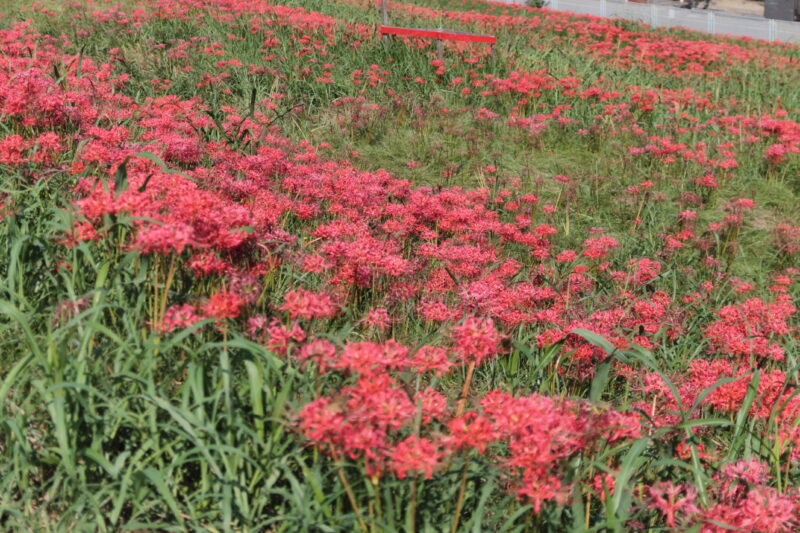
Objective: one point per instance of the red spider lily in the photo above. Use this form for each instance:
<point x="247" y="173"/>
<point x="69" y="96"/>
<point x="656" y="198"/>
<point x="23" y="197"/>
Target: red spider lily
<point x="476" y="340"/>
<point x="179" y="317"/>
<point x="415" y="454"/>
<point x="222" y="305"/>
<point x="431" y="359"/>
<point x="307" y="305"/>
<point x="671" y="499"/>
<point x="470" y="430"/>
<point x="749" y="329"/>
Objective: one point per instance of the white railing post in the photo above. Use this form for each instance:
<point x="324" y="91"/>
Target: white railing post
<point x="772" y="29"/>
<point x="710" y="22"/>
<point x="385" y="16"/>
<point x="653" y="15"/>
<point x="554" y="4"/>
<point x="603" y="8"/>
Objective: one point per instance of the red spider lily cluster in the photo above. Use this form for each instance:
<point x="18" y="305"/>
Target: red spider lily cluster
<point x="378" y="421"/>
<point x="226" y="200"/>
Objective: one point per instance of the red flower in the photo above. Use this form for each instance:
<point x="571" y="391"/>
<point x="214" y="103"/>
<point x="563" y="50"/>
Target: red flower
<point x="308" y="305"/>
<point x="470" y="430"/>
<point x="476" y="339"/>
<point x="222" y="305"/>
<point x="415" y="455"/>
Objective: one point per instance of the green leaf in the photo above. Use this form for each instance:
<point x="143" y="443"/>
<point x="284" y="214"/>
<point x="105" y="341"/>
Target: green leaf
<point x="143" y="186"/>
<point x="602" y="370"/>
<point x="157" y="480"/>
<point x="18" y="367"/>
<point x="627" y="469"/>
<point x="121" y="178"/>
<point x="700" y="422"/>
<point x="245" y="229"/>
<point x="741" y="417"/>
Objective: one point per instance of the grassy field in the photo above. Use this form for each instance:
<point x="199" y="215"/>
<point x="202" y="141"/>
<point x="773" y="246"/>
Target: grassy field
<point x="266" y="271"/>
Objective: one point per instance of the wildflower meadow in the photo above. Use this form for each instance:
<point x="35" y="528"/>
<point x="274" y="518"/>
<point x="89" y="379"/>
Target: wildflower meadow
<point x="265" y="270"/>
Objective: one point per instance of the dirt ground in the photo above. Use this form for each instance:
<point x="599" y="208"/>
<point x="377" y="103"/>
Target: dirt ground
<point x="740" y="7"/>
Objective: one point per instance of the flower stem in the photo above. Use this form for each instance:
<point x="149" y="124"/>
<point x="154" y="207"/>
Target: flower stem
<point x="411" y="516"/>
<point x="461" y="491"/>
<point x="162" y="305"/>
<point x="462" y="401"/>
<point x="350" y="495"/>
<point x="377" y="484"/>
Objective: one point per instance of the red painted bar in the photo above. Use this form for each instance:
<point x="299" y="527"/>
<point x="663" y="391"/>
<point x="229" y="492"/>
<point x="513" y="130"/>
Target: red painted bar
<point x="439" y="34"/>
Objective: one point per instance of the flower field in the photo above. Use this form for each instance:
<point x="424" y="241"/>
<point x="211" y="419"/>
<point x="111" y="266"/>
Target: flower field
<point x="267" y="271"/>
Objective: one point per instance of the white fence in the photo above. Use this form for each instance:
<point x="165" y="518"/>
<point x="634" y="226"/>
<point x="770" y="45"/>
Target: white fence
<point x="666" y="16"/>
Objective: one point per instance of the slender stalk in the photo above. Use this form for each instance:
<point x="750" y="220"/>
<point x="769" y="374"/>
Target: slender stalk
<point x="378" y="504"/>
<point x="162" y="309"/>
<point x="638" y="213"/>
<point x="588" y="510"/>
<point x="154" y="306"/>
<point x="418" y="417"/>
<point x="411" y="516"/>
<point x="462" y="401"/>
<point x="349" y="491"/>
<point x="226" y="372"/>
<point x="371" y="511"/>
<point x="462" y="489"/>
